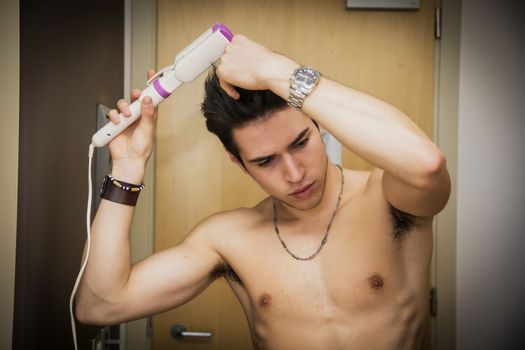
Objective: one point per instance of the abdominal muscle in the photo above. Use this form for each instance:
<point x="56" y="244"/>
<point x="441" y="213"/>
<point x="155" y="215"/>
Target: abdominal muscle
<point x="375" y="330"/>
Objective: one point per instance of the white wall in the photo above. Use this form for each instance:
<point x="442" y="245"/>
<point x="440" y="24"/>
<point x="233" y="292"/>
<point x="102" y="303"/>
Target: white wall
<point x="9" y="97"/>
<point x="491" y="181"/>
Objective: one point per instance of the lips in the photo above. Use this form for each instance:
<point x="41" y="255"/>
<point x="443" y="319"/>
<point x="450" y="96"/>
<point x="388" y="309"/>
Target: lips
<point x="304" y="192"/>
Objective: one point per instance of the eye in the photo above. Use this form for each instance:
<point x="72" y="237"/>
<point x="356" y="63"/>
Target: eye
<point x="265" y="163"/>
<point x="301" y="143"/>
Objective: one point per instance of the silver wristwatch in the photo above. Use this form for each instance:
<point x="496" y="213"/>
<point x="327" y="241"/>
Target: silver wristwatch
<point x="302" y="83"/>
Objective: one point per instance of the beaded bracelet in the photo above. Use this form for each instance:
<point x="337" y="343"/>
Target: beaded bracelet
<point x="125" y="186"/>
<point x="119" y="191"/>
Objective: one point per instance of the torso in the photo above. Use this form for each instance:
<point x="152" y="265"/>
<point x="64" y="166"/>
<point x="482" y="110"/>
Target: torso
<point x="367" y="289"/>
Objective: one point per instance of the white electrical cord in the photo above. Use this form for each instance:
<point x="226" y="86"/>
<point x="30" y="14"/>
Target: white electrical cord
<point x="84" y="263"/>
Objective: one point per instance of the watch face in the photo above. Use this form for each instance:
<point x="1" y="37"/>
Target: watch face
<point x="306" y="76"/>
<point x="302" y="82"/>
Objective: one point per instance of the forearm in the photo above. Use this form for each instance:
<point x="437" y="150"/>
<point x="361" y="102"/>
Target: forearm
<point x="373" y="129"/>
<point x="108" y="267"/>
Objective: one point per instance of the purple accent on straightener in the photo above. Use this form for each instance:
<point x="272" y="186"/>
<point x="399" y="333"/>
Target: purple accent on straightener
<point x="160" y="89"/>
<point x="224" y="30"/>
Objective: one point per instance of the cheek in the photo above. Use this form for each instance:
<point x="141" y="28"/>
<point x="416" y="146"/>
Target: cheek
<point x="268" y="178"/>
<point x="314" y="153"/>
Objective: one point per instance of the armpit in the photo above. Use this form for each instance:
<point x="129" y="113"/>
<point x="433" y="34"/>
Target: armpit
<point x="402" y="223"/>
<point x="226" y="271"/>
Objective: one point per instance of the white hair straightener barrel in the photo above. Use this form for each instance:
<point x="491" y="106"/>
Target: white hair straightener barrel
<point x="188" y="65"/>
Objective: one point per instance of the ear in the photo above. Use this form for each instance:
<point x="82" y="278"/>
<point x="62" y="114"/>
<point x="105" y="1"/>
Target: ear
<point x="235" y="161"/>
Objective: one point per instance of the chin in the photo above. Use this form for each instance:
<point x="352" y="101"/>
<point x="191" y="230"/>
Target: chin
<point x="305" y="204"/>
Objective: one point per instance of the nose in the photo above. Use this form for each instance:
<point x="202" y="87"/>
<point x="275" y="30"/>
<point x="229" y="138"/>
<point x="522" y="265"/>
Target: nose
<point x="293" y="170"/>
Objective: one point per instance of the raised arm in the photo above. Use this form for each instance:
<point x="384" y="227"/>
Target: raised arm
<point x="415" y="179"/>
<point x="113" y="291"/>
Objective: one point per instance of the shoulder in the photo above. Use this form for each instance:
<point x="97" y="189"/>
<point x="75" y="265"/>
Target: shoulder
<point x="366" y="198"/>
<point x="239" y="217"/>
<point x="358" y="178"/>
<point x="401" y="220"/>
<point x="370" y="185"/>
<point x="365" y="189"/>
<point x="356" y="182"/>
<point x="228" y="225"/>
<point x="226" y="234"/>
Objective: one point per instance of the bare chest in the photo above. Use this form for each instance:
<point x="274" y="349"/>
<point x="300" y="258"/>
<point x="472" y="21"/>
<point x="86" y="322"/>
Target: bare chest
<point x="363" y="283"/>
<point x="360" y="269"/>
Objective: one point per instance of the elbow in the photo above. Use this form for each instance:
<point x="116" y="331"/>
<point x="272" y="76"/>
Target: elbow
<point x="82" y="313"/>
<point x="93" y="314"/>
<point x="87" y="315"/>
<point x="83" y="316"/>
<point x="432" y="168"/>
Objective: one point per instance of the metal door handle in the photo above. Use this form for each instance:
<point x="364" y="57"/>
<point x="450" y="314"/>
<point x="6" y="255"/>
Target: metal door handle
<point x="178" y="331"/>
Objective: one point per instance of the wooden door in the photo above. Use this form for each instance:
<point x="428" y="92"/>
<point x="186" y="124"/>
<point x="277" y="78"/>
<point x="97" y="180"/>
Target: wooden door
<point x="387" y="54"/>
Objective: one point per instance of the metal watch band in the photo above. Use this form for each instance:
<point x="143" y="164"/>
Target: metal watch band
<point x="296" y="99"/>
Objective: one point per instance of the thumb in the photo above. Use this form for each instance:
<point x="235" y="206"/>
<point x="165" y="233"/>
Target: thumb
<point x="148" y="116"/>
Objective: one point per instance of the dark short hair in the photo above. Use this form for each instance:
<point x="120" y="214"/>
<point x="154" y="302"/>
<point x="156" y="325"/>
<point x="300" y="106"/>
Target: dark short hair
<point x="223" y="113"/>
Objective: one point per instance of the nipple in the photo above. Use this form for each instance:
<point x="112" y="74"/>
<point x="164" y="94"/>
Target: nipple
<point x="376" y="282"/>
<point x="265" y="300"/>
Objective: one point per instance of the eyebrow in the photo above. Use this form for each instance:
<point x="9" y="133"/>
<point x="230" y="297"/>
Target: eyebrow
<point x="292" y="144"/>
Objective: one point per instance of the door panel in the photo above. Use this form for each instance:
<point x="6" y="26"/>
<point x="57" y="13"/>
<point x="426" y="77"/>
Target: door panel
<point x="71" y="58"/>
<point x="388" y="54"/>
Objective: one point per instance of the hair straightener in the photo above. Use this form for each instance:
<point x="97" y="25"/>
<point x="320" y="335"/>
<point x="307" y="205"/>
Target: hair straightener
<point x="188" y="65"/>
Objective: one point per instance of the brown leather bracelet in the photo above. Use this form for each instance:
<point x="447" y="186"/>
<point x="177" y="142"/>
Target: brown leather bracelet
<point x="117" y="194"/>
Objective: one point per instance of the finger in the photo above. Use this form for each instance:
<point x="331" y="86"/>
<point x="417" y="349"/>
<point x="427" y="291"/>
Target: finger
<point x="148" y="110"/>
<point x="150" y="73"/>
<point x="230" y="90"/>
<point x="147" y="121"/>
<point x="123" y="106"/>
<point x="135" y="93"/>
<point x="113" y="115"/>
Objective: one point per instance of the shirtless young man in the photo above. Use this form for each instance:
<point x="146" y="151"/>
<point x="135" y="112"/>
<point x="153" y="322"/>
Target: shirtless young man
<point x="368" y="286"/>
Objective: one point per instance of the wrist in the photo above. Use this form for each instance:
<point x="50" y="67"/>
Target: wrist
<point x="120" y="192"/>
<point x="131" y="171"/>
<point x="278" y="73"/>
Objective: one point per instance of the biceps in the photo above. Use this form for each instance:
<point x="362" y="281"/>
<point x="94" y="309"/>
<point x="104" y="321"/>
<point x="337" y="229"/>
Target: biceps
<point x="168" y="279"/>
<point x="423" y="202"/>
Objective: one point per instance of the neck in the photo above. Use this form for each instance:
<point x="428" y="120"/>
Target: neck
<point x="332" y="189"/>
